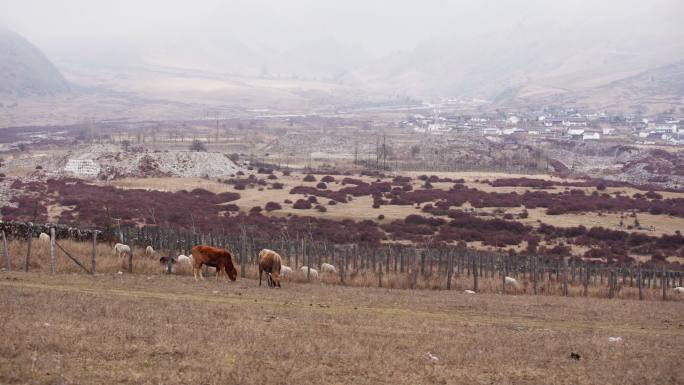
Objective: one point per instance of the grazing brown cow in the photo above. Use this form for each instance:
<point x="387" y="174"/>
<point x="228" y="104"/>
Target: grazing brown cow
<point x="215" y="257"/>
<point x="270" y="262"/>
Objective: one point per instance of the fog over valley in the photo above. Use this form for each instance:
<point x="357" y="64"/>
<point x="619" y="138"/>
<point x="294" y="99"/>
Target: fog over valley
<point x="305" y="54"/>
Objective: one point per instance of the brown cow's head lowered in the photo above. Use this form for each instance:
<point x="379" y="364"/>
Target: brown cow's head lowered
<point x="230" y="268"/>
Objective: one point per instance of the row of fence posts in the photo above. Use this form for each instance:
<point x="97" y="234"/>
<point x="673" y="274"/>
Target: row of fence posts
<point x="467" y="262"/>
<point x="54" y="245"/>
<point x="367" y="258"/>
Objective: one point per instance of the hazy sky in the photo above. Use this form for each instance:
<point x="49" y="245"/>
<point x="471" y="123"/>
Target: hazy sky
<point x="379" y="26"/>
<point x="444" y="47"/>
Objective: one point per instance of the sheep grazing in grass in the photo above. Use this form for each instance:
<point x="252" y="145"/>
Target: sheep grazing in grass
<point x="44" y="237"/>
<point x="164" y="263"/>
<point x="679" y="290"/>
<point x="468" y="291"/>
<point x="512" y="282"/>
<point x="121" y="249"/>
<point x="285" y="270"/>
<point x="313" y="273"/>
<point x="184" y="259"/>
<point x="165" y="260"/>
<point x="328" y="268"/>
<point x="149" y="251"/>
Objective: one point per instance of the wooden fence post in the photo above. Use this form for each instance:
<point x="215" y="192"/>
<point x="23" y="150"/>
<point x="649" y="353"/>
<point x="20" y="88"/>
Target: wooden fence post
<point x="130" y="260"/>
<point x="308" y="262"/>
<point x="243" y="257"/>
<point x="169" y="261"/>
<point x="587" y="275"/>
<point x="53" y="254"/>
<point x="28" y="251"/>
<point x="574" y="272"/>
<point x="343" y="266"/>
<point x="534" y="274"/>
<point x="503" y="276"/>
<point x="388" y="253"/>
<point x="475" y="274"/>
<point x="664" y="283"/>
<point x="640" y="283"/>
<point x="414" y="270"/>
<point x="565" y="277"/>
<point x="94" y="254"/>
<point x="611" y="288"/>
<point x="450" y="268"/>
<point x="5" y="252"/>
<point x="380" y="273"/>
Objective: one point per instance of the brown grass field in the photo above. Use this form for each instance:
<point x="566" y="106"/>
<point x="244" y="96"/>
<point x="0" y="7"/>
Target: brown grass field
<point x="145" y="329"/>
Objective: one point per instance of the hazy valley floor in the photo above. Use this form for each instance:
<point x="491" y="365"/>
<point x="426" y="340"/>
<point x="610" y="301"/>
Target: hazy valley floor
<point x="168" y="329"/>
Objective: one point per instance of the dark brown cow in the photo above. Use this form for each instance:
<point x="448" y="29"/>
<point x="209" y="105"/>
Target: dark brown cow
<point x="221" y="259"/>
<point x="270" y="262"/>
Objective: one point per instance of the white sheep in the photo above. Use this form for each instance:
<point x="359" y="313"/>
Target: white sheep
<point x="328" y="268"/>
<point x="679" y="290"/>
<point x="44" y="237"/>
<point x="120" y="248"/>
<point x="468" y="291"/>
<point x="285" y="270"/>
<point x="512" y="281"/>
<point x="184" y="259"/>
<point x="313" y="273"/>
<point x="149" y="251"/>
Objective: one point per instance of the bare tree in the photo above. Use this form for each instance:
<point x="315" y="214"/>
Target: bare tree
<point x="198" y="146"/>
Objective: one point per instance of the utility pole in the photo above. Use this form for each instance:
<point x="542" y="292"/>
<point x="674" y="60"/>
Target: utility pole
<point x="384" y="151"/>
<point x="217" y="127"/>
<point x="377" y="152"/>
<point x="356" y="153"/>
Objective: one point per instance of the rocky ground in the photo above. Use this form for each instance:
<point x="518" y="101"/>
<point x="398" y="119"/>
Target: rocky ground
<point x="114" y="163"/>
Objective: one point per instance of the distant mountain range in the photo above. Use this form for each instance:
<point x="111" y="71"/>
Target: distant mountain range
<point x="570" y="66"/>
<point x="653" y="90"/>
<point x="25" y="70"/>
<point x="601" y="65"/>
<point x="537" y="63"/>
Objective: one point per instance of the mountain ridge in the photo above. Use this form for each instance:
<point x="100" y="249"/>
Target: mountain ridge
<point x="25" y="70"/>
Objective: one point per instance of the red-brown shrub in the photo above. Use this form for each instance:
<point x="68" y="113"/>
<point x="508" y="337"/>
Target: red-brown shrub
<point x="333" y="195"/>
<point x="271" y="206"/>
<point x="302" y="204"/>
